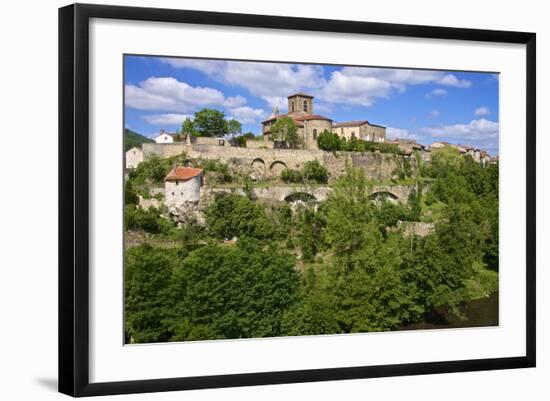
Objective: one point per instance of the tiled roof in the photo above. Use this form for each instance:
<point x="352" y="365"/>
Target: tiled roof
<point x="298" y="119"/>
<point x="354" y="123"/>
<point x="182" y="173"/>
<point x="311" y="117"/>
<point x="302" y="94"/>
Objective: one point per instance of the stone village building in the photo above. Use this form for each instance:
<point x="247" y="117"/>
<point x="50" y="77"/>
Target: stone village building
<point x="310" y="125"/>
<point x="182" y="185"/>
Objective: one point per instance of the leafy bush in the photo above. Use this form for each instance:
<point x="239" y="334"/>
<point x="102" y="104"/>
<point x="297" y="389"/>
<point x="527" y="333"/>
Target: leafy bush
<point x="232" y="215"/>
<point x="291" y="176"/>
<point x="147" y="220"/>
<point x="315" y="172"/>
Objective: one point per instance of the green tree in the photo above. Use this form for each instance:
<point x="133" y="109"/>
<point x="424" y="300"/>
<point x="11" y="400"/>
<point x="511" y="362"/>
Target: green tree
<point x="188" y="127"/>
<point x="148" y="306"/>
<point x="328" y="141"/>
<point x="233" y="292"/>
<point x="286" y="130"/>
<point x="233" y="215"/>
<point x="315" y="172"/>
<point x="210" y="123"/>
<point x="233" y="127"/>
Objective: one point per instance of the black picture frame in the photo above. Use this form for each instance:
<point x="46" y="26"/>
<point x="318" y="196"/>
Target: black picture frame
<point x="74" y="200"/>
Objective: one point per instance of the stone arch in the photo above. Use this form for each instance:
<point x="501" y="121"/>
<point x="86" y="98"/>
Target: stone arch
<point x="258" y="165"/>
<point x="277" y="167"/>
<point x="381" y="195"/>
<point x="300" y="196"/>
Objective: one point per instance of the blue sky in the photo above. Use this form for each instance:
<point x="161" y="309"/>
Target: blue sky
<point x="425" y="105"/>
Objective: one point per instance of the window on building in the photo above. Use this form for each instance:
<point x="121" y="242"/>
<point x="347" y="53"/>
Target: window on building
<point x="173" y="194"/>
<point x="177" y="182"/>
<point x="353" y="134"/>
<point x="292" y="106"/>
<point x="342" y="131"/>
<point x="314" y="134"/>
<point x="221" y="142"/>
<point x="305" y="105"/>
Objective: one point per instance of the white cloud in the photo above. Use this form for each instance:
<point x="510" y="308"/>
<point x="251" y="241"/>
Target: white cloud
<point x="437" y="92"/>
<point x="399" y="133"/>
<point x="235" y="101"/>
<point x="270" y="81"/>
<point x="475" y="129"/>
<point x="166" y="119"/>
<point x="276" y="101"/>
<point x="433" y="114"/>
<point x="452" y="80"/>
<point x="247" y="115"/>
<point x="481" y="132"/>
<point x="482" y="111"/>
<point x="169" y="94"/>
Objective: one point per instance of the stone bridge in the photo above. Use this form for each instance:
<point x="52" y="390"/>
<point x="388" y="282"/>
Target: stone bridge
<point x="290" y="193"/>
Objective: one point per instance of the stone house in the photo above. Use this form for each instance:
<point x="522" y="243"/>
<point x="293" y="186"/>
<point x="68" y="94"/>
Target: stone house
<point x="310" y="125"/>
<point x="133" y="157"/>
<point x="360" y="129"/>
<point x="164" y="137"/>
<point x="472" y="151"/>
<point x="300" y="109"/>
<point x="182" y="185"/>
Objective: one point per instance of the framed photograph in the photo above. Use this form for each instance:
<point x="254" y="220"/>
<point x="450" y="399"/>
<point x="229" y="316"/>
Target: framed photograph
<point x="251" y="199"/>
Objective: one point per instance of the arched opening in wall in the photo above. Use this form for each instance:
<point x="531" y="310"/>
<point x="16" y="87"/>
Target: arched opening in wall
<point x="258" y="168"/>
<point x="292" y="106"/>
<point x="277" y="167"/>
<point x="300" y="196"/>
<point x="305" y="105"/>
<point x="383" y="195"/>
<point x="314" y="134"/>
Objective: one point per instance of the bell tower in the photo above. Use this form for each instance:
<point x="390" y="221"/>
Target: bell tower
<point x="300" y="103"/>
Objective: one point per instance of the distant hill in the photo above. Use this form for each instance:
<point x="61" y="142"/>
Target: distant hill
<point x="132" y="139"/>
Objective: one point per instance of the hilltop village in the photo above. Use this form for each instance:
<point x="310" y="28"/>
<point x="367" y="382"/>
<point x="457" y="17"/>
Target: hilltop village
<point x="265" y="159"/>
<point x="317" y="227"/>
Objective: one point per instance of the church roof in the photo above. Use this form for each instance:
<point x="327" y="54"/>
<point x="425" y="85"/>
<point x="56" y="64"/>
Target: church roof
<point x="298" y="119"/>
<point x="302" y="94"/>
<point x="353" y="123"/>
<point x="182" y="173"/>
<point x="308" y="117"/>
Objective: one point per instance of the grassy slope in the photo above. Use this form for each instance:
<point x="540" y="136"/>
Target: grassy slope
<point x="132" y="139"/>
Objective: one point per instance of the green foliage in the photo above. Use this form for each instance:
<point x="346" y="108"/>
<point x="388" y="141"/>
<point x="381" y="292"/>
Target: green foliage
<point x="291" y="176"/>
<point x="233" y="127"/>
<point x="188" y="127"/>
<point x="313" y="171"/>
<point x="232" y="215"/>
<point x="151" y="170"/>
<point x="309" y="226"/>
<point x="148" y="304"/>
<point x="286" y="130"/>
<point x="130" y="195"/>
<point x="233" y="292"/>
<point x="331" y="142"/>
<point x="135" y="218"/>
<point x="328" y="141"/>
<point x="353" y="274"/>
<point x="133" y="139"/>
<point x="241" y="139"/>
<point x="210" y="123"/>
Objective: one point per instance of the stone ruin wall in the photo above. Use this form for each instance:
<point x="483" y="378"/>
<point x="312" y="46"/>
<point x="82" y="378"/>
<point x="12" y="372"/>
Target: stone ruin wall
<point x="378" y="166"/>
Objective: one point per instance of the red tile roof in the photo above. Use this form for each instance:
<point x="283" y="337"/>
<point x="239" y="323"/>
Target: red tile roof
<point x="182" y="173"/>
<point x="312" y="117"/>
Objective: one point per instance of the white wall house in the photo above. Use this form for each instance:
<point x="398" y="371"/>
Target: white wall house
<point x="134" y="156"/>
<point x="182" y="185"/>
<point x="164" y="137"/>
